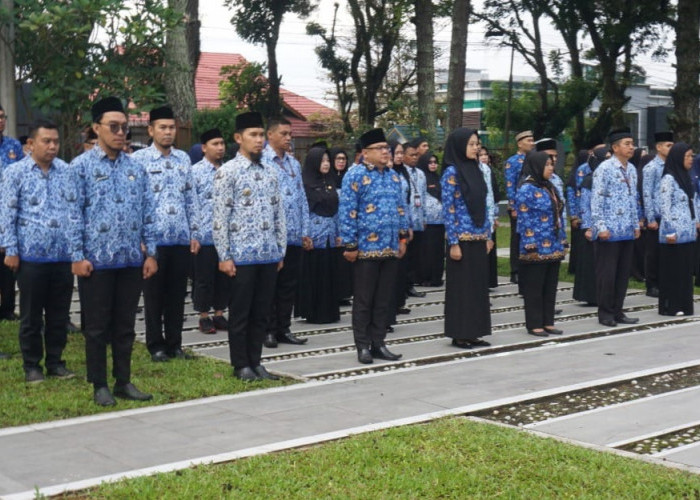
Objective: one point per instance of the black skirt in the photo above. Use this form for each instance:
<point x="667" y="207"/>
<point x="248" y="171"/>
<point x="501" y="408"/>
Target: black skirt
<point x="576" y="243"/>
<point x="584" y="281"/>
<point x="432" y="255"/>
<point x="318" y="300"/>
<point x="493" y="263"/>
<point x="676" y="263"/>
<point x="467" y="313"/>
<point x="343" y="273"/>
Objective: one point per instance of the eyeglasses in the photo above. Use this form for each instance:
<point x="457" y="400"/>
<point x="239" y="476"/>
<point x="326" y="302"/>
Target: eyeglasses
<point x="380" y="148"/>
<point x="3" y="116"/>
<point x="115" y="128"/>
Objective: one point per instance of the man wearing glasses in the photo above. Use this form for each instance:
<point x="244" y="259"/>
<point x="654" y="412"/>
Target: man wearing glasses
<point x="117" y="221"/>
<point x="10" y="152"/>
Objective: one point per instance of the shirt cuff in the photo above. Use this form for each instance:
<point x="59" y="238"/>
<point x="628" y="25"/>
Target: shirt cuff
<point x="11" y="251"/>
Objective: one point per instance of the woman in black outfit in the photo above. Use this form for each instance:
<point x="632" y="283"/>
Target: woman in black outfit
<point x="432" y="253"/>
<point x="339" y="167"/>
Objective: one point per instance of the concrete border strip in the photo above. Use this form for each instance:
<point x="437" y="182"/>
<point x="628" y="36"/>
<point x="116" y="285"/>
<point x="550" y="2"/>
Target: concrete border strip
<point x="650" y="435"/>
<point x="678" y="449"/>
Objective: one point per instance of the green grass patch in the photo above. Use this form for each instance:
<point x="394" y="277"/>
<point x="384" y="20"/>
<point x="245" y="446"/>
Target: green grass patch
<point x="177" y="380"/>
<point x="449" y="458"/>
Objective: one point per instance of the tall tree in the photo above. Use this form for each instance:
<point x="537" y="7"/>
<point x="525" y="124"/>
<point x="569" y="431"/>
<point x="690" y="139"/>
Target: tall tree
<point x="181" y="57"/>
<point x="458" y="63"/>
<point x="259" y="22"/>
<point x="686" y="96"/>
<point x="425" y="56"/>
<point x="8" y="97"/>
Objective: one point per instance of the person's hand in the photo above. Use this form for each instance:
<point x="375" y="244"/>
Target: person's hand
<point x="410" y="235"/>
<point x="513" y="214"/>
<point x="12" y="261"/>
<point x="338" y="241"/>
<point x="671" y="238"/>
<point x="604" y="235"/>
<point x="589" y="235"/>
<point x="280" y="265"/>
<point x="489" y="245"/>
<point x="653" y="225"/>
<point x="350" y="256"/>
<point x="194" y="247"/>
<point x="82" y="268"/>
<point x="150" y="267"/>
<point x="402" y="248"/>
<point x="455" y="252"/>
<point x="637" y="233"/>
<point x="228" y="268"/>
<point x="575" y="223"/>
<point x="496" y="223"/>
<point x="307" y="243"/>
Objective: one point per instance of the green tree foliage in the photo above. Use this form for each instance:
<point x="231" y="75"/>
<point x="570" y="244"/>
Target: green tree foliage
<point x="259" y="21"/>
<point x="244" y="86"/>
<point x="223" y="118"/>
<point x="74" y="52"/>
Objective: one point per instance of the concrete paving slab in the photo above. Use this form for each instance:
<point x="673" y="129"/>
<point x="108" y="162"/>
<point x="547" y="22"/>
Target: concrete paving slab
<point x="688" y="455"/>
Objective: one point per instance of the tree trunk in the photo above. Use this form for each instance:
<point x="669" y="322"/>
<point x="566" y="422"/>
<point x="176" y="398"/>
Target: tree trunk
<point x="8" y="94"/>
<point x="273" y="101"/>
<point x="686" y="96"/>
<point x="425" y="66"/>
<point x="458" y="63"/>
<point x="180" y="67"/>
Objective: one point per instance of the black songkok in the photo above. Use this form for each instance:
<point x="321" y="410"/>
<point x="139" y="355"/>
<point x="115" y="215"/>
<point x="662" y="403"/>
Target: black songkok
<point x="250" y="119"/>
<point x="105" y="106"/>
<point x="545" y="144"/>
<point x="619" y="134"/>
<point x="210" y="134"/>
<point x="161" y="113"/>
<point x="372" y="137"/>
<point x="663" y="137"/>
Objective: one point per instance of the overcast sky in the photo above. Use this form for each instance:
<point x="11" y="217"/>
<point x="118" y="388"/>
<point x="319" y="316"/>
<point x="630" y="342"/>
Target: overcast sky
<point x="302" y="73"/>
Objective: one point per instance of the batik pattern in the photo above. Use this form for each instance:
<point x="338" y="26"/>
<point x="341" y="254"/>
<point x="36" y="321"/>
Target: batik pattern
<point x="459" y="225"/>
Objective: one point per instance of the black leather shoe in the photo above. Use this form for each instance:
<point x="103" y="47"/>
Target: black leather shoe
<point x="289" y="338"/>
<point x="179" y="354"/>
<point x="102" y="397"/>
<point x="129" y="391"/>
<point x="159" y="357"/>
<point x="263" y="373"/>
<point x="557" y="312"/>
<point x="364" y="356"/>
<point x="382" y="352"/>
<point x="479" y="343"/>
<point x="220" y="323"/>
<point x="33" y="376"/>
<point x="403" y="310"/>
<point x="538" y="334"/>
<point x="514" y="278"/>
<point x="412" y="292"/>
<point x="607" y="322"/>
<point x="246" y="374"/>
<point x="270" y="341"/>
<point x="462" y="344"/>
<point x="60" y="371"/>
<point x="389" y="329"/>
<point x="652" y="292"/>
<point x="626" y="320"/>
<point x="553" y="331"/>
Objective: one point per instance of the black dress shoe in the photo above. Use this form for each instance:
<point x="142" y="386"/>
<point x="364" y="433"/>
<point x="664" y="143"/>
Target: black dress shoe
<point x="412" y="292"/>
<point x="263" y="373"/>
<point x="557" y="312"/>
<point x="553" y="331"/>
<point x="179" y="354"/>
<point x="403" y="310"/>
<point x="220" y="323"/>
<point x="389" y="329"/>
<point x="270" y="341"/>
<point x="537" y="334"/>
<point x="607" y="322"/>
<point x="102" y="397"/>
<point x="246" y="374"/>
<point x="159" y="357"/>
<point x="514" y="278"/>
<point x="652" y="292"/>
<point x="364" y="356"/>
<point x="129" y="391"/>
<point x="462" y="344"/>
<point x="479" y="343"/>
<point x="626" y="320"/>
<point x="345" y="302"/>
<point x="289" y="338"/>
<point x="33" y="375"/>
<point x="60" y="371"/>
<point x="382" y="352"/>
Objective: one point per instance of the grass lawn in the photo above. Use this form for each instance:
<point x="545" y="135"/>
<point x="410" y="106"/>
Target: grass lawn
<point x="53" y="399"/>
<point x="449" y="458"/>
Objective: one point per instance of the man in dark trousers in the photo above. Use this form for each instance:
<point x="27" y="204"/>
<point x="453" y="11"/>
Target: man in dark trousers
<point x="616" y="222"/>
<point x="170" y="178"/>
<point x="38" y="217"/>
<point x="374" y="230"/>
<point x="115" y="251"/>
<point x="250" y="236"/>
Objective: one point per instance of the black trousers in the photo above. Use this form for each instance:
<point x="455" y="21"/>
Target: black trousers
<point x="45" y="294"/>
<point x="539" y="292"/>
<point x="651" y="258"/>
<point x="285" y="292"/>
<point x="164" y="299"/>
<point x="413" y="257"/>
<point x="375" y="283"/>
<point x="514" y="247"/>
<point x="109" y="299"/>
<point x="252" y="290"/>
<point x="398" y="297"/>
<point x="433" y="254"/>
<point x="211" y="287"/>
<point x="613" y="262"/>
<point x="676" y="278"/>
<point x="7" y="290"/>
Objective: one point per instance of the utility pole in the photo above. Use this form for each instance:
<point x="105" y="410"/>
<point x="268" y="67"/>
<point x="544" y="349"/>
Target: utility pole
<point x="8" y="95"/>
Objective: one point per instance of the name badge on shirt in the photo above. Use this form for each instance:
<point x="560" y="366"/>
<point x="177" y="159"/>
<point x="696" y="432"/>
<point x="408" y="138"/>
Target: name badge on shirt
<point x="101" y="178"/>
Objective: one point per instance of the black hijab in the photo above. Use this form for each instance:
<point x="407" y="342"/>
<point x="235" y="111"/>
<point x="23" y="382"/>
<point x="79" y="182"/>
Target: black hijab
<point x="338" y="174"/>
<point x="401" y="168"/>
<point x="581" y="158"/>
<point x="535" y="163"/>
<point x="598" y="157"/>
<point x="471" y="180"/>
<point x="674" y="167"/>
<point x="432" y="178"/>
<point x="320" y="188"/>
